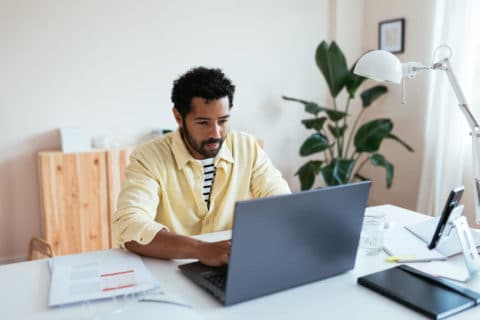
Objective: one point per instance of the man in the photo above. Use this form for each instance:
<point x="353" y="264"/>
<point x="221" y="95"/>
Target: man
<point x="188" y="181"/>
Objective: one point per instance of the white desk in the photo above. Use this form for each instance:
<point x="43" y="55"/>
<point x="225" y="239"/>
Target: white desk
<point x="25" y="286"/>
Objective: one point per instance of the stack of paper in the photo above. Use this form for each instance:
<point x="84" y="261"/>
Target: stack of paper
<point x="97" y="275"/>
<point x="411" y="242"/>
<point x="402" y="243"/>
<point x="449" y="245"/>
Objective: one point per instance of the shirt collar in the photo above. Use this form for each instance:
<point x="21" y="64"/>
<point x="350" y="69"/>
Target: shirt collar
<point x="183" y="156"/>
<point x="225" y="153"/>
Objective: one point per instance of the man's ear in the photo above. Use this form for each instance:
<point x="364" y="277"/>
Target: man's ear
<point x="178" y="117"/>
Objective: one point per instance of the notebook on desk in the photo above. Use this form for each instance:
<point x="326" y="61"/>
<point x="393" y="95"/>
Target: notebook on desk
<point x="435" y="298"/>
<point x="285" y="241"/>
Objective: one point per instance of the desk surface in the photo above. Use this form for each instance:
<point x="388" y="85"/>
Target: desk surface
<point x="25" y="288"/>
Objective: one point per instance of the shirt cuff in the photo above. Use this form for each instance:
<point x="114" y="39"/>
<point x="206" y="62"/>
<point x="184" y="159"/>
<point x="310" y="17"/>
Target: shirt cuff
<point x="143" y="236"/>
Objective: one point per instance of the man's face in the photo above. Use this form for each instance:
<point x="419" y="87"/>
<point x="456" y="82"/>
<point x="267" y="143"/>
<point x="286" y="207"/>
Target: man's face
<point x="204" y="128"/>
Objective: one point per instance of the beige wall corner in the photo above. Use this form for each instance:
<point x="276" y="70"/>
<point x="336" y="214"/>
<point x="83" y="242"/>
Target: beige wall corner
<point x="408" y="118"/>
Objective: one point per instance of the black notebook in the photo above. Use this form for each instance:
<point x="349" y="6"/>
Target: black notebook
<point x="431" y="296"/>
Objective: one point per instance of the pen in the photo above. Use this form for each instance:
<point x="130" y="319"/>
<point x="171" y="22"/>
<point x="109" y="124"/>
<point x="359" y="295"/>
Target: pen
<point x="408" y="259"/>
<point x="397" y="258"/>
<point x="421" y="260"/>
<point x="167" y="302"/>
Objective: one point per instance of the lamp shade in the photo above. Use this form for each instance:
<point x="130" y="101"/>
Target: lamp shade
<point x="379" y="65"/>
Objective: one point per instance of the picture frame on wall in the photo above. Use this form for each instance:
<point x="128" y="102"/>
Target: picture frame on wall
<point x="391" y="35"/>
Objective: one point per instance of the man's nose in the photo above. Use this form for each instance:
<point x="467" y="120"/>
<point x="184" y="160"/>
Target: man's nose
<point x="216" y="131"/>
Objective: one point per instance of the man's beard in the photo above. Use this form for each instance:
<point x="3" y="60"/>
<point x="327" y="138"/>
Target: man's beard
<point x="200" y="147"/>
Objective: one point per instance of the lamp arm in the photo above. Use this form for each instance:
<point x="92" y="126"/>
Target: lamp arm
<point x="444" y="65"/>
<point x="462" y="102"/>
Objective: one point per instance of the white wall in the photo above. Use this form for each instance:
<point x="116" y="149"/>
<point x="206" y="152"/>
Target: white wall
<point x="349" y="28"/>
<point x="109" y="66"/>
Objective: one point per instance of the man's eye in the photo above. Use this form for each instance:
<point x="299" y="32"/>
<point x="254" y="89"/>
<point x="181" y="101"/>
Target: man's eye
<point x="203" y="123"/>
<point x="223" y="121"/>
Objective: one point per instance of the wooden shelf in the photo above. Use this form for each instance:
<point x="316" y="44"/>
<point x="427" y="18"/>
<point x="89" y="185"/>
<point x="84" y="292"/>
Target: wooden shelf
<point x="78" y="197"/>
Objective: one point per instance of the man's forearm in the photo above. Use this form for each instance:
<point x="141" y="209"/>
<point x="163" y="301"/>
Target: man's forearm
<point x="166" y="245"/>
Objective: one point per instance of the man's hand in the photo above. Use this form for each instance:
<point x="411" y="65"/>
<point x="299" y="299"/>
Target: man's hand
<point x="215" y="253"/>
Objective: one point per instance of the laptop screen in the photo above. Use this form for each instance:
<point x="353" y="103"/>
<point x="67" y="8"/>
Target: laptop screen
<point x="285" y="241"/>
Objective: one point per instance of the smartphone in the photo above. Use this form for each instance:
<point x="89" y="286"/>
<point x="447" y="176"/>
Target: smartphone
<point x="452" y="201"/>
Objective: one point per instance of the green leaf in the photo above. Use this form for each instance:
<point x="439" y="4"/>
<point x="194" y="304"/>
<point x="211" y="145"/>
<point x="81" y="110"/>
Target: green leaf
<point x="327" y="175"/>
<point x="371" y="134"/>
<point x="316" y="123"/>
<point x="403" y="143"/>
<point x="370" y="95"/>
<point x="331" y="62"/>
<point x="378" y="160"/>
<point x="315" y="143"/>
<point x="363" y="178"/>
<point x="337" y="131"/>
<point x="307" y="173"/>
<point x="337" y="172"/>
<point x="314" y="108"/>
<point x="335" y="115"/>
<point x="353" y="82"/>
<point x="343" y="170"/>
<point x="310" y="107"/>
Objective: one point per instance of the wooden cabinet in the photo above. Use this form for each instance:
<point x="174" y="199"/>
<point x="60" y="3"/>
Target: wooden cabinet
<point x="78" y="197"/>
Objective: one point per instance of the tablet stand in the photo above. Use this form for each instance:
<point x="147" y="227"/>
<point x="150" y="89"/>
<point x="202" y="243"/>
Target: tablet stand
<point x="470" y="254"/>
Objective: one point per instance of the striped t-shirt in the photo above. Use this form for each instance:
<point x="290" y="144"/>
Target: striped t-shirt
<point x="209" y="176"/>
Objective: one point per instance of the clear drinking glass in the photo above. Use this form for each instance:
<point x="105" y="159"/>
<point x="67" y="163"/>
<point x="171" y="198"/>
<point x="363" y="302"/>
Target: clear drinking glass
<point x="373" y="229"/>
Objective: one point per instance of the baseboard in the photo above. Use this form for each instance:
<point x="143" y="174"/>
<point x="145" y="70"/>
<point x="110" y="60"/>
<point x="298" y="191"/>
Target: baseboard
<point x="7" y="260"/>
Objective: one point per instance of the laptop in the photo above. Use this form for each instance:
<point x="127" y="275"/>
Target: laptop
<point x="286" y="241"/>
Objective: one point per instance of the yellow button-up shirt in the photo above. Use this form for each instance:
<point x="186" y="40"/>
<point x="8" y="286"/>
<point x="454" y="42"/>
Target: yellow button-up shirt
<point x="164" y="183"/>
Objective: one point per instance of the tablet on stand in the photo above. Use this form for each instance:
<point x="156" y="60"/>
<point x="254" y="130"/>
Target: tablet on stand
<point x="452" y="218"/>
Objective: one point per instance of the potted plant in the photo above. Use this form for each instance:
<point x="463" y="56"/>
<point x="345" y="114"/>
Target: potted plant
<point x="344" y="150"/>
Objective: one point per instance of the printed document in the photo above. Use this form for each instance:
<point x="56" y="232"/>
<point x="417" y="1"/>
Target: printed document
<point x="97" y="275"/>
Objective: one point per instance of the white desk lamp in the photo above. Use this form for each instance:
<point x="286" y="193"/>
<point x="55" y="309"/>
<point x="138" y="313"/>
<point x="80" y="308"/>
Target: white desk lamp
<point x="381" y="65"/>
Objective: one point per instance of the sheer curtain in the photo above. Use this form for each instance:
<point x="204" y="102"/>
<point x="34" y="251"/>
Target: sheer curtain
<point x="446" y="131"/>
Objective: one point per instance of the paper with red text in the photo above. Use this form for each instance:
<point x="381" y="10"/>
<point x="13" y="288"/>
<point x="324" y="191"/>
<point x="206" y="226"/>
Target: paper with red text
<point x="97" y="275"/>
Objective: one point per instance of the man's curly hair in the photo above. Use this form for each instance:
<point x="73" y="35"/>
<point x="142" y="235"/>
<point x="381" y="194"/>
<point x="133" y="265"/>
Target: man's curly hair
<point x="202" y="82"/>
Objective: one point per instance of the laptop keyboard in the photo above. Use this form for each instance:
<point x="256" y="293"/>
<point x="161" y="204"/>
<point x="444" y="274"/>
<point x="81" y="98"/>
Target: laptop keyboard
<point x="217" y="278"/>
